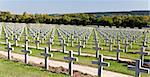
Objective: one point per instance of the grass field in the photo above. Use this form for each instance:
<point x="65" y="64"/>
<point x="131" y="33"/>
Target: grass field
<point x="89" y="47"/>
<point x="13" y="69"/>
<point x="116" y="67"/>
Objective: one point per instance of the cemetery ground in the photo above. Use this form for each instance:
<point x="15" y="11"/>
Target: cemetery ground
<point x="18" y="69"/>
<point x="120" y="67"/>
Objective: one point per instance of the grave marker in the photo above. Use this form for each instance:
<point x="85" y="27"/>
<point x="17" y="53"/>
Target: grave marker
<point x="46" y="55"/>
<point x="97" y="48"/>
<point x="110" y="44"/>
<point x="142" y="53"/>
<point x="118" y="54"/>
<point x="79" y="47"/>
<point x="37" y="42"/>
<point x="9" y="48"/>
<point x="15" y="40"/>
<point x="138" y="69"/>
<point x="126" y="45"/>
<point x="72" y="40"/>
<point x="84" y="42"/>
<point x="27" y="52"/>
<point x="71" y="59"/>
<point x="64" y="45"/>
<point x="100" y="64"/>
<point x="6" y="37"/>
<point x="49" y="44"/>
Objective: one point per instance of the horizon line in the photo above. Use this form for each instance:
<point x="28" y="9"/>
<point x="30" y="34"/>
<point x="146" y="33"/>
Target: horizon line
<point x="81" y="12"/>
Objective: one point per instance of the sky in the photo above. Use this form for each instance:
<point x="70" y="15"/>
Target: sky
<point x="72" y="6"/>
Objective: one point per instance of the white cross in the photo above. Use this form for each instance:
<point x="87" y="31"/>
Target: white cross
<point x="142" y="53"/>
<point x="9" y="48"/>
<point x="97" y="48"/>
<point x="46" y="55"/>
<point x="110" y="44"/>
<point x="37" y="42"/>
<point x="118" y="54"/>
<point x="71" y="59"/>
<point x="15" y="40"/>
<point x="79" y="47"/>
<point x="100" y="64"/>
<point x="138" y="69"/>
<point x="49" y="44"/>
<point x="26" y="51"/>
<point x="64" y="45"/>
<point x="72" y="40"/>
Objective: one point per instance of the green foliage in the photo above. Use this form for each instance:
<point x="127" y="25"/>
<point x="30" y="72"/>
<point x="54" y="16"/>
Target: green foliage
<point x="77" y="19"/>
<point x="105" y="21"/>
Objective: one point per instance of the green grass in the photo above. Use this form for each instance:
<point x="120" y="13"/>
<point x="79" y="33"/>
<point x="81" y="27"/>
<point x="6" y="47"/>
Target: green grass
<point x="13" y="69"/>
<point x="89" y="47"/>
<point x="116" y="67"/>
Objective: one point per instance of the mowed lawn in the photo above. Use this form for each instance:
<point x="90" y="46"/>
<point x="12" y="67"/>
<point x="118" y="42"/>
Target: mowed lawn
<point x="114" y="66"/>
<point x="13" y="69"/>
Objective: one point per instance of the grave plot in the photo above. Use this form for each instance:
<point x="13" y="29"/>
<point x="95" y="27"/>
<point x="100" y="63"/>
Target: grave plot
<point x="128" y="45"/>
<point x="1" y="28"/>
<point x="84" y="40"/>
<point x="12" y="32"/>
<point x="84" y="60"/>
<point x="40" y="34"/>
<point x="85" y="48"/>
<point x="74" y="36"/>
<point x="21" y="70"/>
<point x="105" y="48"/>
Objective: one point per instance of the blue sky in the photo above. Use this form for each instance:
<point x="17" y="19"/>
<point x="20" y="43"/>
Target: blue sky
<point x="72" y="6"/>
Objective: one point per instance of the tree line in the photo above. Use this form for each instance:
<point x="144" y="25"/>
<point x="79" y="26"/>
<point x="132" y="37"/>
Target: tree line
<point x="77" y="19"/>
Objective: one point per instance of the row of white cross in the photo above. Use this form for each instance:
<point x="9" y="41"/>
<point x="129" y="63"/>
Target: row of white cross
<point x="138" y="69"/>
<point x="100" y="62"/>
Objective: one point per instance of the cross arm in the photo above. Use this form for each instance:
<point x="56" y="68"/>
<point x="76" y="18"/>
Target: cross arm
<point x="144" y="53"/>
<point x="49" y="42"/>
<point x="131" y="67"/>
<point x="65" y="44"/>
<point x="80" y="46"/>
<point x="145" y="70"/>
<point x="27" y="51"/>
<point x="105" y="64"/>
<point x="46" y="55"/>
<point x="37" y="41"/>
<point x="99" y="48"/>
<point x="27" y="40"/>
<point x="71" y="58"/>
<point x="9" y="48"/>
<point x="119" y="50"/>
<point x="95" y="62"/>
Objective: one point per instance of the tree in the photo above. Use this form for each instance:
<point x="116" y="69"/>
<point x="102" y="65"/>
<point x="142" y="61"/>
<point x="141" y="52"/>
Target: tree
<point x="117" y="20"/>
<point x="105" y="21"/>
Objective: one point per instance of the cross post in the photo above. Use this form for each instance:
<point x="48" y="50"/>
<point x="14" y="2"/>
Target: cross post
<point x="101" y="64"/>
<point x="71" y="59"/>
<point x="97" y="48"/>
<point x="27" y="52"/>
<point x="46" y="55"/>
<point x="37" y="42"/>
<point x="64" y="45"/>
<point x="49" y="44"/>
<point x="142" y="53"/>
<point x="72" y="40"/>
<point x="79" y="47"/>
<point x="138" y="69"/>
<point x="110" y="45"/>
<point x="9" y="48"/>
